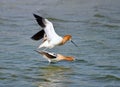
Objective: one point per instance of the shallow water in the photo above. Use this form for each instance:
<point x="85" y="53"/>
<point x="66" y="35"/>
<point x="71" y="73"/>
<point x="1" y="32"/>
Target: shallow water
<point x="95" y="27"/>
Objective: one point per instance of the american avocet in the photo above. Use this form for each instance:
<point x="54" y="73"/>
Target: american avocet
<point x="52" y="57"/>
<point x="50" y="38"/>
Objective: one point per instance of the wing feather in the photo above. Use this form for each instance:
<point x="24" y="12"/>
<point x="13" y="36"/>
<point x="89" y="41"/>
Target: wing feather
<point x="40" y="20"/>
<point x="47" y="54"/>
<point x="48" y="27"/>
<point x="39" y="35"/>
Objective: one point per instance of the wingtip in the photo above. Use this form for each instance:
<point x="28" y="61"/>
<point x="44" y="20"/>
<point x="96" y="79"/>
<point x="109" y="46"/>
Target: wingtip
<point x="37" y="16"/>
<point x="37" y="51"/>
<point x="40" y="52"/>
<point x="33" y="38"/>
<point x="40" y="20"/>
<point x="34" y="14"/>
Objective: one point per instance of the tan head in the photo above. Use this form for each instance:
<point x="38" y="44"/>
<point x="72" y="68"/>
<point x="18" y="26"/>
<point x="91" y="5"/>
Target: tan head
<point x="67" y="58"/>
<point x="66" y="38"/>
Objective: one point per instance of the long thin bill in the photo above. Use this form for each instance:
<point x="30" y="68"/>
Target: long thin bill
<point x="74" y="43"/>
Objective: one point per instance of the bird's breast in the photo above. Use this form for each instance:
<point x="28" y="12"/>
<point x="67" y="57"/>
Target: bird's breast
<point x="57" y="41"/>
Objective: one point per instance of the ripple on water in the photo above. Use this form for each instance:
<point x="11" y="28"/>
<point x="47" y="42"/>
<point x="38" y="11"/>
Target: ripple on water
<point x="109" y="67"/>
<point x="107" y="78"/>
<point x="98" y="15"/>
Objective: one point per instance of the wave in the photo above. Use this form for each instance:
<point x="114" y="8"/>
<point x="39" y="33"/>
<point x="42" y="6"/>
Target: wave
<point x="107" y="78"/>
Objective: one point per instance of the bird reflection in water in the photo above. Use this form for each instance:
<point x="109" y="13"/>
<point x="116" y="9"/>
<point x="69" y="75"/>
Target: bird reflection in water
<point x="55" y="76"/>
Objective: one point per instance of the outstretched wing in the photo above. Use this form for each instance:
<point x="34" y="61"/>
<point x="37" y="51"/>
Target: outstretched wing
<point x="47" y="26"/>
<point x="47" y="54"/>
<point x="40" y="20"/>
<point x="39" y="35"/>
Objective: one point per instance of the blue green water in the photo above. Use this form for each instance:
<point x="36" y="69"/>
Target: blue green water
<point x="95" y="27"/>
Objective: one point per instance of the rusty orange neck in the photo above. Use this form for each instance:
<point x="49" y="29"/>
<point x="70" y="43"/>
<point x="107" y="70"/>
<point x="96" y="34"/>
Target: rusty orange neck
<point x="67" y="58"/>
<point x="65" y="39"/>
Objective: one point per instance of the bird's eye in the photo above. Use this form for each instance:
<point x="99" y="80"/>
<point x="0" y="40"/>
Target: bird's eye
<point x="54" y="54"/>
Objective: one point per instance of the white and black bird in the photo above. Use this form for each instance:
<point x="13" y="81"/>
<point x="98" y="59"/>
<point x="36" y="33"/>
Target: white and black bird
<point x="50" y="37"/>
<point x="53" y="57"/>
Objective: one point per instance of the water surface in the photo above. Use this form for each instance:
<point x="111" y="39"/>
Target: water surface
<point x="95" y="27"/>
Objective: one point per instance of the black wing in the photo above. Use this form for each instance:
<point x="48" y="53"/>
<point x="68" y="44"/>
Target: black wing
<point x="40" y="20"/>
<point x="39" y="35"/>
<point x="47" y="54"/>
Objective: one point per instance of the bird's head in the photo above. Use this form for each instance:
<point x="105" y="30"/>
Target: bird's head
<point x="66" y="38"/>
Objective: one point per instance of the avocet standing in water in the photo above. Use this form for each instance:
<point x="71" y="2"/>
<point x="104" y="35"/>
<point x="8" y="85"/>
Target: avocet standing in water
<point x="50" y="37"/>
<point x="52" y="57"/>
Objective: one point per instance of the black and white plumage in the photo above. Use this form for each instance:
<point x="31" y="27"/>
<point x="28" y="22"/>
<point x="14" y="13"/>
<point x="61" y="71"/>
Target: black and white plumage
<point x="53" y="57"/>
<point x="50" y="37"/>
